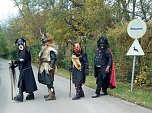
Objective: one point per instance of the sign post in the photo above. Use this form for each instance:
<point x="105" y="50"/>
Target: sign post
<point x="136" y="29"/>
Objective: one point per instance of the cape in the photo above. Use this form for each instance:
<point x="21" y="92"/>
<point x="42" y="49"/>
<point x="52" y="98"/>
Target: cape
<point x="113" y="75"/>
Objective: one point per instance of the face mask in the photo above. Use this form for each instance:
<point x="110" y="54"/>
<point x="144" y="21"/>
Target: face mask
<point x="21" y="44"/>
<point x="102" y="45"/>
<point x="21" y="47"/>
<point x="77" y="49"/>
<point x="44" y="39"/>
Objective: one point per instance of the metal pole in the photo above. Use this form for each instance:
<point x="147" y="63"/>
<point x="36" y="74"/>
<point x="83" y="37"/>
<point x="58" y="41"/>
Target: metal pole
<point x="70" y="85"/>
<point x="133" y="71"/>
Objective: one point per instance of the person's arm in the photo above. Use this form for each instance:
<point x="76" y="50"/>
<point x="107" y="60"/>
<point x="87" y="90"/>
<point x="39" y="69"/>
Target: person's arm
<point x="86" y="64"/>
<point x="26" y="57"/>
<point x="53" y="59"/>
<point x="109" y="56"/>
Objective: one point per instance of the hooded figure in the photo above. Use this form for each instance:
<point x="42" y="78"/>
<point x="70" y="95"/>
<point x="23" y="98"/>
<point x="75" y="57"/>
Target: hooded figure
<point x="47" y="61"/>
<point x="26" y="81"/>
<point x="103" y="67"/>
<point x="79" y="70"/>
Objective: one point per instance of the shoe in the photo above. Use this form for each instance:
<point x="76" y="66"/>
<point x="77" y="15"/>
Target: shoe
<point x="30" y="96"/>
<point x="51" y="97"/>
<point x="95" y="95"/>
<point x="46" y="96"/>
<point x="82" y="95"/>
<point x="76" y="97"/>
<point x="18" y="98"/>
<point x="104" y="93"/>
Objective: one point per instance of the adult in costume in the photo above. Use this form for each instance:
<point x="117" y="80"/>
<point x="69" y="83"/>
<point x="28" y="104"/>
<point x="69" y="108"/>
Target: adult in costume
<point x="26" y="81"/>
<point x="103" y="67"/>
<point x="47" y="61"/>
<point x="79" y="70"/>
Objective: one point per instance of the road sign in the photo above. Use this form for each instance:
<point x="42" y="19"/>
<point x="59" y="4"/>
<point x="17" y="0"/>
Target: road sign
<point x="135" y="49"/>
<point x="136" y="28"/>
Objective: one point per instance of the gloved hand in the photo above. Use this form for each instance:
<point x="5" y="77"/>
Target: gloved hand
<point x="10" y="64"/>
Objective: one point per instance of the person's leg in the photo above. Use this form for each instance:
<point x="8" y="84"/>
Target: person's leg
<point x="51" y="92"/>
<point x="30" y="96"/>
<point x="19" y="97"/>
<point x="99" y="84"/>
<point x="105" y="85"/>
<point x="81" y="91"/>
<point x="77" y="96"/>
<point x="98" y="90"/>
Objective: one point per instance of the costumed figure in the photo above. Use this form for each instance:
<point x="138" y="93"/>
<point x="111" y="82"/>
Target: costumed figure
<point x="103" y="68"/>
<point x="26" y="81"/>
<point x="47" y="61"/>
<point x="79" y="70"/>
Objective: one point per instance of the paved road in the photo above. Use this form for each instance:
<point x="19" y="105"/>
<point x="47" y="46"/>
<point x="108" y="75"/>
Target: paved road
<point x="63" y="104"/>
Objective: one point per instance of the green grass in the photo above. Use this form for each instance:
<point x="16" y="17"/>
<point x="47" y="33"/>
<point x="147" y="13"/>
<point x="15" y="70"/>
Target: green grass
<point x="138" y="96"/>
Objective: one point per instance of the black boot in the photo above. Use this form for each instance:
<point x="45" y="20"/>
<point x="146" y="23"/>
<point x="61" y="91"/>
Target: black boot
<point x="19" y="97"/>
<point x="51" y="95"/>
<point x="81" y="93"/>
<point x="77" y="96"/>
<point x="30" y="96"/>
<point x="95" y="95"/>
<point x="46" y="96"/>
<point x="104" y="92"/>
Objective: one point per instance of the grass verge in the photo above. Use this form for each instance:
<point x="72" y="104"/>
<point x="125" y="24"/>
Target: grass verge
<point x="138" y="96"/>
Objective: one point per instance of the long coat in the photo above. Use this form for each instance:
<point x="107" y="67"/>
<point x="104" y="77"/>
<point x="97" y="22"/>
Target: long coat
<point x="26" y="75"/>
<point x="79" y="75"/>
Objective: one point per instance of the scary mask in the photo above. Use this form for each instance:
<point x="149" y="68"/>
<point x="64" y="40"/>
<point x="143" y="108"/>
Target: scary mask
<point x="77" y="48"/>
<point x="21" y="43"/>
<point x="44" y="38"/>
<point x="102" y="42"/>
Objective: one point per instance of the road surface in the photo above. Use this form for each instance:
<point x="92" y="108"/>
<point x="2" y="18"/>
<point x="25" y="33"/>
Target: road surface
<point x="63" y="103"/>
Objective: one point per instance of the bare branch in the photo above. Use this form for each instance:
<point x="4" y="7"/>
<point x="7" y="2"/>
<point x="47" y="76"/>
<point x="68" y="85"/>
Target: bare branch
<point x="19" y="8"/>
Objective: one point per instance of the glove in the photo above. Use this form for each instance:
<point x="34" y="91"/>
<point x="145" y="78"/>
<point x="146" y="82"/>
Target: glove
<point x="10" y="64"/>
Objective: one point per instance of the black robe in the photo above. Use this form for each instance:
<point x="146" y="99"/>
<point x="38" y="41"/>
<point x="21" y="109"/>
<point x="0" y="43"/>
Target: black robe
<point x="26" y="75"/>
<point x="78" y="77"/>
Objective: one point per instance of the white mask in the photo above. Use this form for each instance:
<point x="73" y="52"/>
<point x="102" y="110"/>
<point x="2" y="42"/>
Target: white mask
<point x="21" y="47"/>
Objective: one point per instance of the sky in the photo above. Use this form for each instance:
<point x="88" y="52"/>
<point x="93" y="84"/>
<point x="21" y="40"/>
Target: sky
<point x="7" y="9"/>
